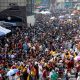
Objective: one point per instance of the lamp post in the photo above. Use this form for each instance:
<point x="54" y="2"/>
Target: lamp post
<point x="9" y="18"/>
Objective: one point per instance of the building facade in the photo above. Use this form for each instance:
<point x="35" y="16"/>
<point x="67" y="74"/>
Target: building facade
<point x="4" y="4"/>
<point x="60" y="4"/>
<point x="16" y="8"/>
<point x="71" y="3"/>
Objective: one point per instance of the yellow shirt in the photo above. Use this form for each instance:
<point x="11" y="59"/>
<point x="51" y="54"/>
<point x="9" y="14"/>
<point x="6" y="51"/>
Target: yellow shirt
<point x="52" y="52"/>
<point x="75" y="55"/>
<point x="33" y="72"/>
<point x="24" y="69"/>
<point x="67" y="56"/>
<point x="21" y="68"/>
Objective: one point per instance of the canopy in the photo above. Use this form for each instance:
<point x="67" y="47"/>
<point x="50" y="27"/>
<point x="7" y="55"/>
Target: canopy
<point x="4" y="31"/>
<point x="45" y="12"/>
<point x="7" y="23"/>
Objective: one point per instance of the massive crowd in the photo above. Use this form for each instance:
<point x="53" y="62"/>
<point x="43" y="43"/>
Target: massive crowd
<point x="45" y="51"/>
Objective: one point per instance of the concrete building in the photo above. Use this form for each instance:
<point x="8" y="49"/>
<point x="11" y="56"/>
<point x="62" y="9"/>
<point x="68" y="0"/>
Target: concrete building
<point x="16" y="8"/>
<point x="4" y="4"/>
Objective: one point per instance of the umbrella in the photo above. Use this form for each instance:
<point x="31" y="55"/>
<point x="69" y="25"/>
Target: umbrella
<point x="52" y="18"/>
<point x="77" y="58"/>
<point x="72" y="14"/>
<point x="69" y="17"/>
<point x="12" y="71"/>
<point x="45" y="12"/>
<point x="61" y="17"/>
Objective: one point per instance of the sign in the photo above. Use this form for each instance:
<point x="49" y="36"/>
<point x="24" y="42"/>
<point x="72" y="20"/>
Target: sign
<point x="31" y="20"/>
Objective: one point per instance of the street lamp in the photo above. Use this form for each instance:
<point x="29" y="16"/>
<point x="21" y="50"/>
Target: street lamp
<point x="9" y="18"/>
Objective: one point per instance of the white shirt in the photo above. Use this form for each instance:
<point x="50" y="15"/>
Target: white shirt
<point x="40" y="69"/>
<point x="78" y="78"/>
<point x="12" y="56"/>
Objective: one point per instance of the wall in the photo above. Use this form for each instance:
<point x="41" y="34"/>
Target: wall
<point x="4" y="4"/>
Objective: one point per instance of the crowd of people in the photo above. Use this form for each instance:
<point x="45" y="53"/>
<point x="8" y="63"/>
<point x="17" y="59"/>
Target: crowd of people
<point x="45" y="51"/>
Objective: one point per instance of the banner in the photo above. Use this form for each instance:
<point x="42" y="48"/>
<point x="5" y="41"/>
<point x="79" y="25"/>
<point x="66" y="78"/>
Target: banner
<point x="31" y="20"/>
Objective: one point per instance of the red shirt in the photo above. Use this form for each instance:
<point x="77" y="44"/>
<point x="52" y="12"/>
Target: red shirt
<point x="44" y="74"/>
<point x="19" y="45"/>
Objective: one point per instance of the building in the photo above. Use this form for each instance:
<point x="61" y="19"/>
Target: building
<point x="5" y="4"/>
<point x="52" y="5"/>
<point x="10" y="9"/>
<point x="68" y="4"/>
<point x="45" y="3"/>
<point x="57" y="4"/>
<point x="60" y="4"/>
<point x="71" y="3"/>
